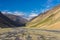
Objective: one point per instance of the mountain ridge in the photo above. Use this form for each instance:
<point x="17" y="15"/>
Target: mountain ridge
<point x="16" y="18"/>
<point x="46" y="19"/>
<point x="7" y="22"/>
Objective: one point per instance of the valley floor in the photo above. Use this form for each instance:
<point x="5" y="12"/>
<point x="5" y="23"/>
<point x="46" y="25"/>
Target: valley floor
<point x="28" y="34"/>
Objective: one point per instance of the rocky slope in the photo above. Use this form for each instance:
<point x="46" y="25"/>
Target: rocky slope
<point x="17" y="18"/>
<point x="7" y="22"/>
<point x="28" y="34"/>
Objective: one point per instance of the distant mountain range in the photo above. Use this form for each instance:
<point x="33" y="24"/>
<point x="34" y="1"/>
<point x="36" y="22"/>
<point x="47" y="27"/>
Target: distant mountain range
<point x="16" y="18"/>
<point x="9" y="20"/>
<point x="47" y="20"/>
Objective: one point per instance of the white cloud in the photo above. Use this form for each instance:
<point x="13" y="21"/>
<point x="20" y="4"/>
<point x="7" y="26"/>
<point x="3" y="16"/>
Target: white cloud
<point x="6" y="12"/>
<point x="19" y="13"/>
<point x="9" y="12"/>
<point x="3" y="12"/>
<point x="14" y="13"/>
<point x="32" y="15"/>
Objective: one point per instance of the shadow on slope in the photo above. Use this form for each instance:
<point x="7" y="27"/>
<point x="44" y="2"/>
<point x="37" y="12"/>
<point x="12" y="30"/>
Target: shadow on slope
<point x="6" y="22"/>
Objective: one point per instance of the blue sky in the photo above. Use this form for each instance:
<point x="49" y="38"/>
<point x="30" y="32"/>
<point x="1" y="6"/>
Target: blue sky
<point x="27" y="7"/>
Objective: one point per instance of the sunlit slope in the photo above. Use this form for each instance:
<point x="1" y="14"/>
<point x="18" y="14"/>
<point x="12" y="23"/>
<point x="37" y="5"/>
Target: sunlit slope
<point x="47" y="19"/>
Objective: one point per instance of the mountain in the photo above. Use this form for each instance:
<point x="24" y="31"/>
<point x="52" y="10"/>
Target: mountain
<point x="16" y="18"/>
<point x="47" y="20"/>
<point x="9" y="22"/>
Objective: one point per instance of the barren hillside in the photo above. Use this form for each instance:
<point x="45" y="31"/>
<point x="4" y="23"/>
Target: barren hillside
<point x="47" y="20"/>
